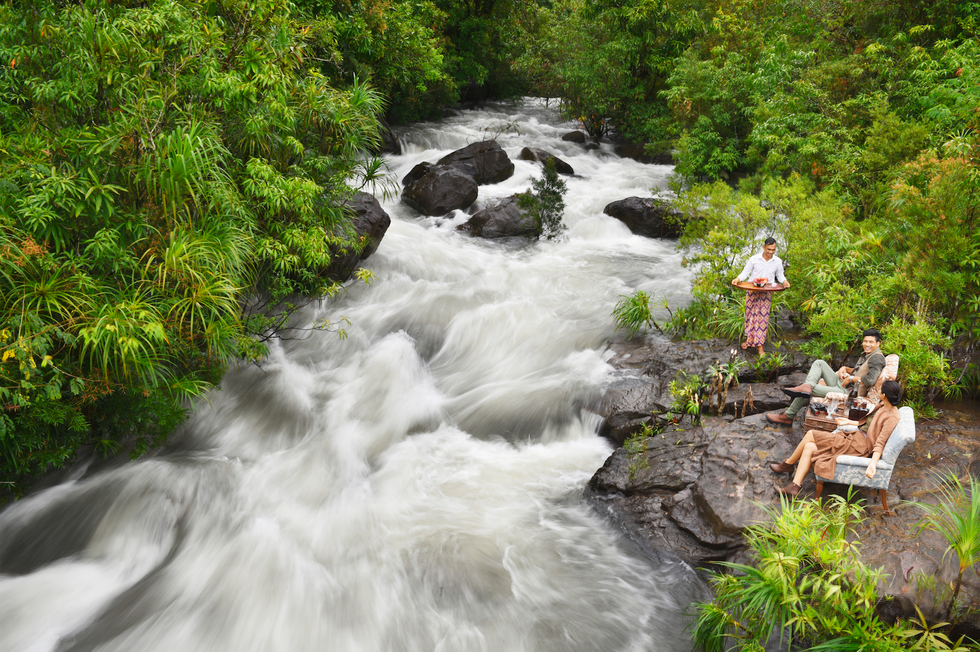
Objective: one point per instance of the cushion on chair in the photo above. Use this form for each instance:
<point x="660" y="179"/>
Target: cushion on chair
<point x="890" y="372"/>
<point x="850" y="469"/>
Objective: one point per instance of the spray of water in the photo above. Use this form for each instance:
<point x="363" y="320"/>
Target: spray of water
<point x="415" y="487"/>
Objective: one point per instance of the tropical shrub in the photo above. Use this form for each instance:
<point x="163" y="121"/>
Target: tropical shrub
<point x="167" y="166"/>
<point x="545" y="202"/>
<point x="808" y="587"/>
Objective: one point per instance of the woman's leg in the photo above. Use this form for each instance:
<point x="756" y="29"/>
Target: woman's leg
<point x="809" y="448"/>
<point x="798" y="453"/>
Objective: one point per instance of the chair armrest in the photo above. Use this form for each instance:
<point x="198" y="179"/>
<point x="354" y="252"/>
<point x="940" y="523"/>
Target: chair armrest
<point x="853" y="460"/>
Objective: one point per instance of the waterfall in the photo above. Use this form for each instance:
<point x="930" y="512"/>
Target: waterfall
<point x="416" y="486"/>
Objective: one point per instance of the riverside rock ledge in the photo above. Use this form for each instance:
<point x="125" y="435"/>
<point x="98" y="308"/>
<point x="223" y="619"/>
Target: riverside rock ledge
<point x="704" y="484"/>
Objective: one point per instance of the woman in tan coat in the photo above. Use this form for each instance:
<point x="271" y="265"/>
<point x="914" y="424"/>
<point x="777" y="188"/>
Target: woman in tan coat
<point x="820" y="448"/>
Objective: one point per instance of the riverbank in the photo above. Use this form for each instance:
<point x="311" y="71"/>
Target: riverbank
<point x="703" y="484"/>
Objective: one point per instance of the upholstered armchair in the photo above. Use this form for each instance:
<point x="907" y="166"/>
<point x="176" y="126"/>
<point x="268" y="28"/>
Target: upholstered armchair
<point x="850" y="470"/>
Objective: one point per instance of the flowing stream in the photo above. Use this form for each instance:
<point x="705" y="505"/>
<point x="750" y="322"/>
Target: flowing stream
<point x="414" y="487"/>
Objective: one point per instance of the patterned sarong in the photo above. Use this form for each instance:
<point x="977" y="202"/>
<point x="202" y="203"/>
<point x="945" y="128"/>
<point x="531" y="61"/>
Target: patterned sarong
<point x="757" y="306"/>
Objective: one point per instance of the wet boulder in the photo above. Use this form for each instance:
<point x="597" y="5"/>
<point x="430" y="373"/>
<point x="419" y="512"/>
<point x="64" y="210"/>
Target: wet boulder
<point x="574" y="137"/>
<point x="541" y="156"/>
<point x="371" y="222"/>
<point x="416" y="173"/>
<point x="650" y="217"/>
<point x="440" y="190"/>
<point x="644" y="387"/>
<point x="672" y="462"/>
<point x="683" y="510"/>
<point x="735" y="475"/>
<point x="747" y="399"/>
<point x="506" y="219"/>
<point x="642" y="519"/>
<point x="486" y="162"/>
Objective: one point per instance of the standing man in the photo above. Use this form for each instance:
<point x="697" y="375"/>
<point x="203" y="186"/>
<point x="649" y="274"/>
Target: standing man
<point x="765" y="265"/>
<point x="865" y="374"/>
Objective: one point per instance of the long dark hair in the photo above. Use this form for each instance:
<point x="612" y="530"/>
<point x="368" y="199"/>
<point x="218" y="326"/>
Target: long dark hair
<point x="892" y="391"/>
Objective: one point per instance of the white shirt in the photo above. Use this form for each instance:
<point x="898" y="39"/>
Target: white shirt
<point x="759" y="267"/>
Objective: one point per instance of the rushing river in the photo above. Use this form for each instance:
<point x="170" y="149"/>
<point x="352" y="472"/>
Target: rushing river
<point x="414" y="487"/>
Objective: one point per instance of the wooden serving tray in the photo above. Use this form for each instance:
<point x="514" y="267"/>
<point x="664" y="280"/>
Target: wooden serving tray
<point x="745" y="285"/>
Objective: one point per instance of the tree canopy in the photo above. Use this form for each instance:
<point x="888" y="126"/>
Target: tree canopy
<point x="164" y="163"/>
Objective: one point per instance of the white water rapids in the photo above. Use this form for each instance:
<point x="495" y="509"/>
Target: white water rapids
<point x="415" y="487"/>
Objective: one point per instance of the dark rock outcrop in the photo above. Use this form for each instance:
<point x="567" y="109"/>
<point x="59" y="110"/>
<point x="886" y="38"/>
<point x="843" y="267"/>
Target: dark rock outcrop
<point x="574" y="137"/>
<point x="646" y="216"/>
<point x="735" y="476"/>
<point x="371" y="222"/>
<point x="506" y="219"/>
<point x="541" y="156"/>
<point x="440" y="190"/>
<point x="649" y="368"/>
<point x="486" y="162"/>
<point x="416" y="173"/>
<point x="669" y="465"/>
<point x="635" y="151"/>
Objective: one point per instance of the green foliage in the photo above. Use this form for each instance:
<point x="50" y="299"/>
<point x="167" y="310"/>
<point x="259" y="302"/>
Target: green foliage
<point x="807" y="584"/>
<point x="633" y="313"/>
<point x="545" y="202"/>
<point x="480" y="40"/>
<point x="608" y="61"/>
<point x="766" y="367"/>
<point x="165" y="165"/>
<point x="687" y="390"/>
<point x="924" y="369"/>
<point x="398" y="46"/>
<point x="957" y="519"/>
<point x="710" y="101"/>
<point x="890" y="271"/>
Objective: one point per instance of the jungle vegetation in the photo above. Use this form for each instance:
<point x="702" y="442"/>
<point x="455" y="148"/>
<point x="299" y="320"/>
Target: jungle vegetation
<point x="166" y="164"/>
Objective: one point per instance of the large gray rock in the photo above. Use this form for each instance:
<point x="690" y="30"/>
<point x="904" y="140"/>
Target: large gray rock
<point x="765" y="397"/>
<point x="648" y="367"/>
<point x="642" y="519"/>
<point x="371" y="222"/>
<point x="416" y="173"/>
<point x="735" y="475"/>
<point x="506" y="219"/>
<point x="574" y="137"/>
<point x="629" y="402"/>
<point x="703" y="521"/>
<point x="673" y="460"/>
<point x="542" y="156"/>
<point x="440" y="190"/>
<point x="646" y="216"/>
<point x="485" y="161"/>
<point x="683" y="510"/>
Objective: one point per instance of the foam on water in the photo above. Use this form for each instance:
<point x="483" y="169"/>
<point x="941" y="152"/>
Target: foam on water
<point x="414" y="487"/>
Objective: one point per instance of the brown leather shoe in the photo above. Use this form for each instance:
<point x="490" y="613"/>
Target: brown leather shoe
<point x="800" y="391"/>
<point x="779" y="418"/>
<point x="782" y="467"/>
<point x="791" y="490"/>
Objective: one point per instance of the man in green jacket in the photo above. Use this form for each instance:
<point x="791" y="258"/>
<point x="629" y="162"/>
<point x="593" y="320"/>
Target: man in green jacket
<point x="865" y="374"/>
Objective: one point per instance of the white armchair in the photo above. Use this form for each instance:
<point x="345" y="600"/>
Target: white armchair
<point x="850" y="469"/>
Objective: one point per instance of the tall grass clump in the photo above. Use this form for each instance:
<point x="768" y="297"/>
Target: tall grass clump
<point x="957" y="519"/>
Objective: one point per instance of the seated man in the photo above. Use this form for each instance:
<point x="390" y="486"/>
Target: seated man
<point x="865" y="373"/>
